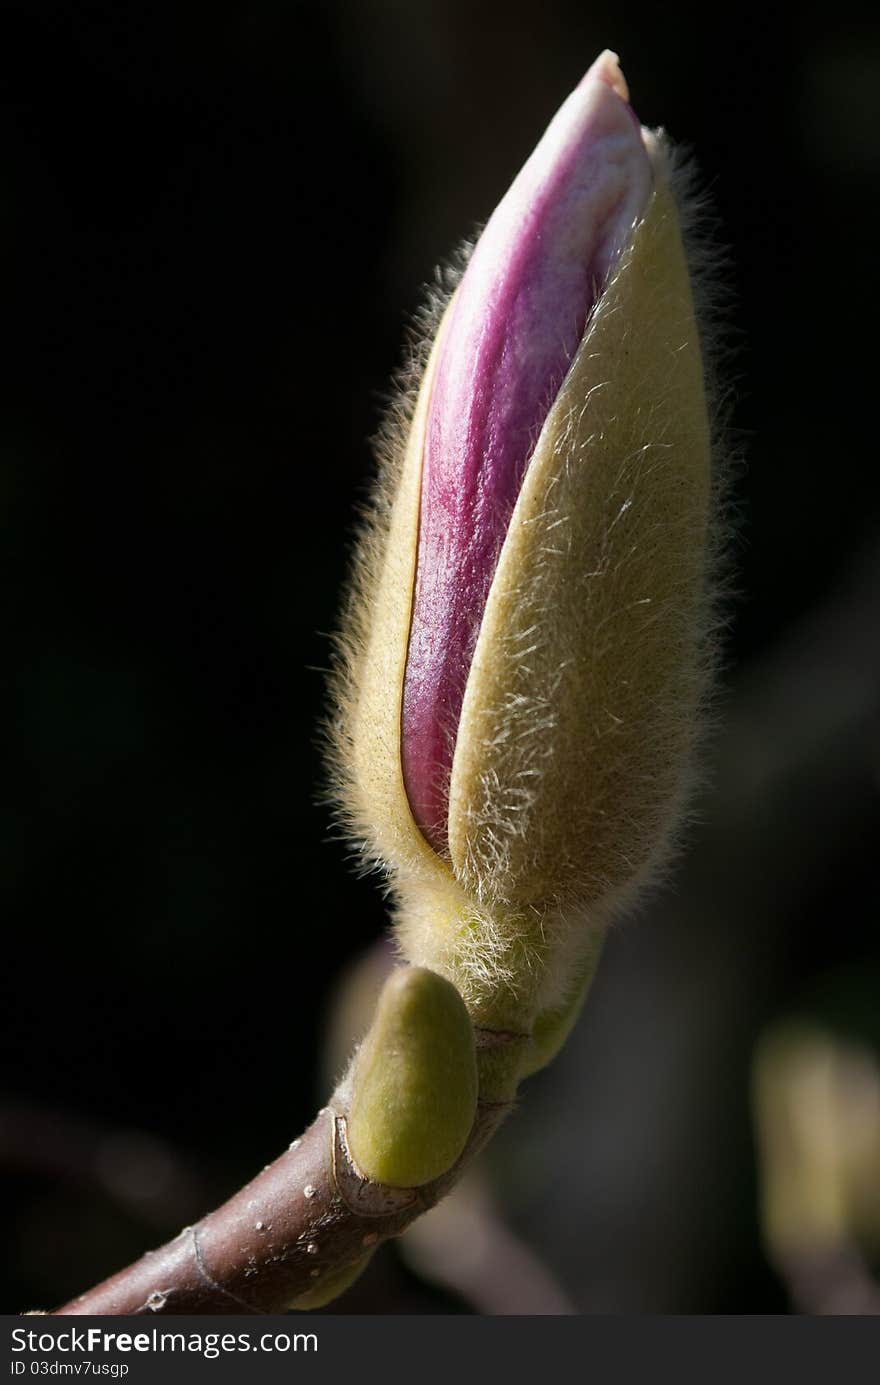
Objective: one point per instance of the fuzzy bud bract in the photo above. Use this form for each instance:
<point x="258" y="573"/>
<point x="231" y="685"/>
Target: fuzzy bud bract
<point x="522" y="662"/>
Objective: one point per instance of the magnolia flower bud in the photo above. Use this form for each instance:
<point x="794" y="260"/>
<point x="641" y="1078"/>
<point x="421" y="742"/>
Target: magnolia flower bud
<point x="522" y="665"/>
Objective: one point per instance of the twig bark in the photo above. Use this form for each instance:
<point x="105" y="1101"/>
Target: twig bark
<point x="306" y="1217"/>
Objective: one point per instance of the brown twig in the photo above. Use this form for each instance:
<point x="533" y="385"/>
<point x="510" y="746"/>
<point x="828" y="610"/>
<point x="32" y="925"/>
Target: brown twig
<point x="306" y="1217"/>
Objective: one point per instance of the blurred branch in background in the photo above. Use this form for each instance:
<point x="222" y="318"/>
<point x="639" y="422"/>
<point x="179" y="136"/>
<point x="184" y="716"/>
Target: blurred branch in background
<point x="137" y="1170"/>
<point x="817" y="1117"/>
<point x="466" y="1245"/>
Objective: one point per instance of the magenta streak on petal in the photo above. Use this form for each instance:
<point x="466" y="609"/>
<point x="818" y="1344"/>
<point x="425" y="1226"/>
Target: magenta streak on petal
<point x="516" y="323"/>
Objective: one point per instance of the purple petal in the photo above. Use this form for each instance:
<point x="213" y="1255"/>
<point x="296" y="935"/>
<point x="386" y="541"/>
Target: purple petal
<point x="515" y="325"/>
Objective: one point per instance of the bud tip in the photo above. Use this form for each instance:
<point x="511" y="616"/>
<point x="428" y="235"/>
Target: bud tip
<point x="607" y="69"/>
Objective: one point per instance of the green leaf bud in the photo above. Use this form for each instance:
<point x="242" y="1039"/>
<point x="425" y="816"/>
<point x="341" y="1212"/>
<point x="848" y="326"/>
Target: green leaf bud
<point x="332" y="1285"/>
<point x="414" y="1082"/>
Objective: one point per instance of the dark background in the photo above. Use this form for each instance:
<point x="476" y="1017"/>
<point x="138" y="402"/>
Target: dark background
<point x="214" y="222"/>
